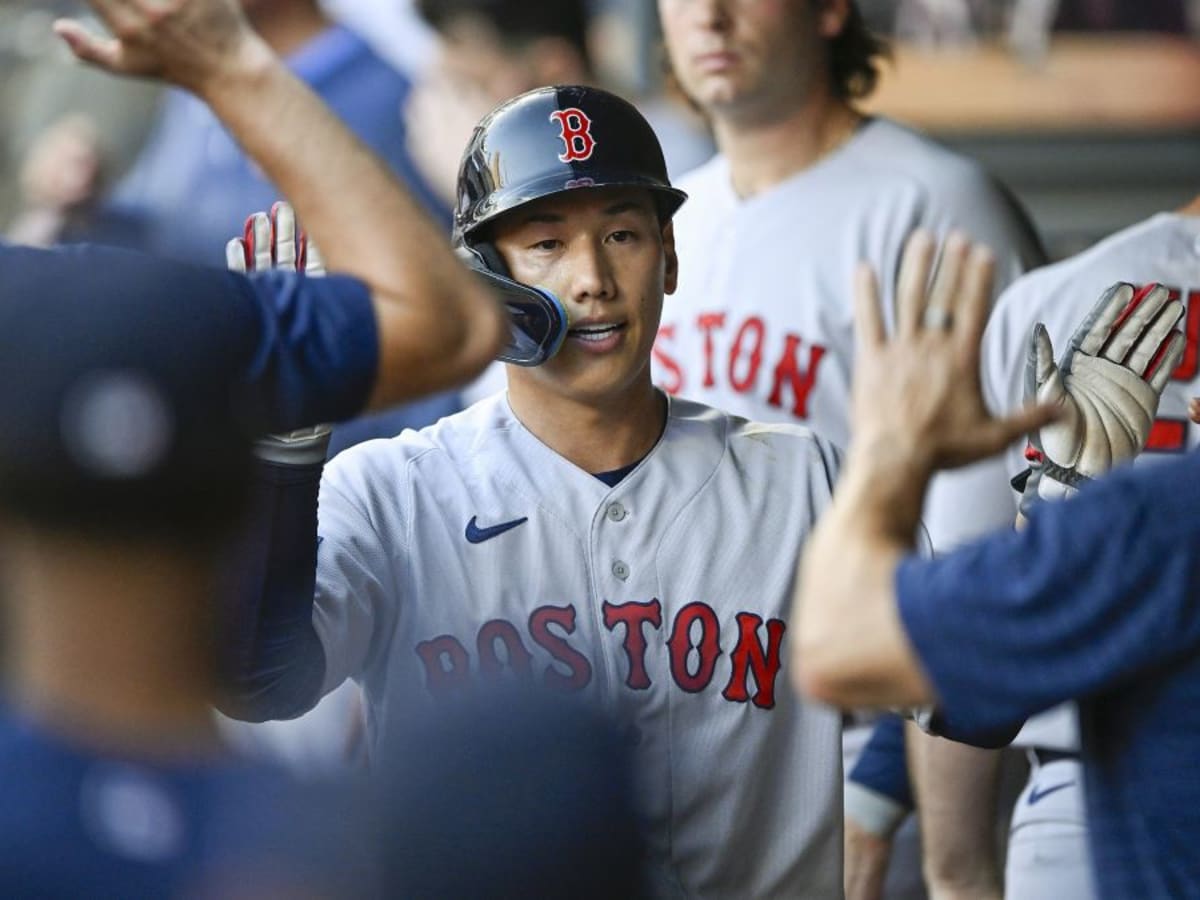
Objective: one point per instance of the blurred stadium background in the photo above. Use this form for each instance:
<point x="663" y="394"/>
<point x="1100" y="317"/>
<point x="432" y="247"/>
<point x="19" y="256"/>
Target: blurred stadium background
<point x="1089" y="110"/>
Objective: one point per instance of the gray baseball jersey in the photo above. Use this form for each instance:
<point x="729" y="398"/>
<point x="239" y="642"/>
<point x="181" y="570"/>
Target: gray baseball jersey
<point x="762" y="322"/>
<point x="470" y="549"/>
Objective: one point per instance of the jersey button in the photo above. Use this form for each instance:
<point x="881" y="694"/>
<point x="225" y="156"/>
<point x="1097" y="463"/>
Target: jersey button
<point x="620" y="570"/>
<point x="616" y="512"/>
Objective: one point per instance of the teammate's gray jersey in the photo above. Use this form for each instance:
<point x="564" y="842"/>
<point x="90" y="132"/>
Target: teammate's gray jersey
<point x="762" y="323"/>
<point x="471" y="548"/>
<point x="1164" y="248"/>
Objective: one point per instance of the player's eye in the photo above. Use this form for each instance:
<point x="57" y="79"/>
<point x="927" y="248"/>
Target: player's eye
<point x="623" y="236"/>
<point x="546" y="245"/>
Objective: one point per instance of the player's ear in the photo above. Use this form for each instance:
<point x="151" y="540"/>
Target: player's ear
<point x="670" y="259"/>
<point x="831" y="17"/>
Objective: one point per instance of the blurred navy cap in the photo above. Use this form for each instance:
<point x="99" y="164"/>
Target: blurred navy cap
<point x="118" y="399"/>
<point x="510" y="793"/>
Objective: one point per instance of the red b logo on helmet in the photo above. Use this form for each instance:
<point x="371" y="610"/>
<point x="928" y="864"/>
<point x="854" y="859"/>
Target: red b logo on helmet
<point x="576" y="133"/>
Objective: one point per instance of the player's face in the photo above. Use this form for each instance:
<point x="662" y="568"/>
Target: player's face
<point x="747" y="57"/>
<point x="603" y="252"/>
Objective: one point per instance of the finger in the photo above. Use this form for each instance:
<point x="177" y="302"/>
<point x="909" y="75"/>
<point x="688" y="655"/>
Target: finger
<point x="236" y="254"/>
<point x="1132" y="321"/>
<point x="1090" y="336"/>
<point x="1164" y="365"/>
<point x="868" y="317"/>
<point x="1194" y="410"/>
<point x="314" y="262"/>
<point x="1001" y="433"/>
<point x="913" y="280"/>
<point x="283" y="236"/>
<point x="1044" y="365"/>
<point x="970" y="310"/>
<point x="947" y="276"/>
<point x="258" y="240"/>
<point x="103" y="52"/>
<point x="1154" y="337"/>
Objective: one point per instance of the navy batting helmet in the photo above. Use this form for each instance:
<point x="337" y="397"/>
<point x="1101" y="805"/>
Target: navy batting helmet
<point x="552" y="140"/>
<point x="545" y="142"/>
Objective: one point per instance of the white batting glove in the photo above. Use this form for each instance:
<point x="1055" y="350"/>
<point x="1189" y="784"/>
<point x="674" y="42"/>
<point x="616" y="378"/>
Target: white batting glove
<point x="1107" y="385"/>
<point x="273" y="241"/>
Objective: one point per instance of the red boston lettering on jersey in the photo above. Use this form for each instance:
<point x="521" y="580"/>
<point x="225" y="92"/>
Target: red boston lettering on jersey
<point x="749" y="654"/>
<point x="633" y="616"/>
<point x="540" y="621"/>
<point x="707" y="322"/>
<point x="1167" y="436"/>
<point x="447" y="666"/>
<point x="670" y="366"/>
<point x="680" y="646"/>
<point x="495" y="634"/>
<point x="749" y="340"/>
<point x="575" y="129"/>
<point x="801" y="380"/>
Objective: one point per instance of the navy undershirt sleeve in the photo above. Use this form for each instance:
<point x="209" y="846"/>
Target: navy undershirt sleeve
<point x="275" y="658"/>
<point x="314" y="361"/>
<point x="883" y="764"/>
<point x="316" y="352"/>
<point x="1093" y="590"/>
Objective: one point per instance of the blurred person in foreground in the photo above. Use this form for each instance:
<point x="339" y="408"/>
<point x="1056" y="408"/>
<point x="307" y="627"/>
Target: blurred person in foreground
<point x="134" y="386"/>
<point x="1048" y="854"/>
<point x="509" y="792"/>
<point x="1093" y="600"/>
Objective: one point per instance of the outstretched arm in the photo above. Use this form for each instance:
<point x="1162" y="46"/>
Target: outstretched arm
<point x="438" y="325"/>
<point x="917" y="407"/>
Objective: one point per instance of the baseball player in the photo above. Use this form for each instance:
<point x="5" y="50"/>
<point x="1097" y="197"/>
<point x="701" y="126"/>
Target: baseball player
<point x="1094" y="599"/>
<point x="804" y="186"/>
<point x="561" y="534"/>
<point x="133" y="386"/>
<point x="1048" y="853"/>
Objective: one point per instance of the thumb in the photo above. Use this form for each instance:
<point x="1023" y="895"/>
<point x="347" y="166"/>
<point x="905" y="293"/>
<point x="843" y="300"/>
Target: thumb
<point x="104" y="53"/>
<point x="1047" y="383"/>
<point x="1000" y="433"/>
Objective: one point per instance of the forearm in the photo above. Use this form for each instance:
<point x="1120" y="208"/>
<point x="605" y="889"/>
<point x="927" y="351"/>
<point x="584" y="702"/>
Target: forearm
<point x="955" y="789"/>
<point x="276" y="660"/>
<point x="438" y="326"/>
<point x="852" y="650"/>
<point x="866" y="862"/>
<point x="435" y="318"/>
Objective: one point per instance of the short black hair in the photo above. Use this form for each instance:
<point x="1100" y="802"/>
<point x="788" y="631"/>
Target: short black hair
<point x="516" y="21"/>
<point x="854" y="57"/>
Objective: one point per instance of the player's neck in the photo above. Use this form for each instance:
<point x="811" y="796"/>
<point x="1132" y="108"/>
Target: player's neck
<point x="1193" y="208"/>
<point x="110" y="648"/>
<point x="597" y="437"/>
<point x="287" y="26"/>
<point x="763" y="153"/>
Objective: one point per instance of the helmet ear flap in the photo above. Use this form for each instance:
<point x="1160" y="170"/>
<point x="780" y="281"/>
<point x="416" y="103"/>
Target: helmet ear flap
<point x="537" y="320"/>
<point x="490" y="257"/>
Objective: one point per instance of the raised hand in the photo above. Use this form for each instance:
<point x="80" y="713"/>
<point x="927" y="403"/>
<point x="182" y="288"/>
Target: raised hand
<point x="1107" y="386"/>
<point x="273" y="241"/>
<point x="185" y="42"/>
<point x="917" y="402"/>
